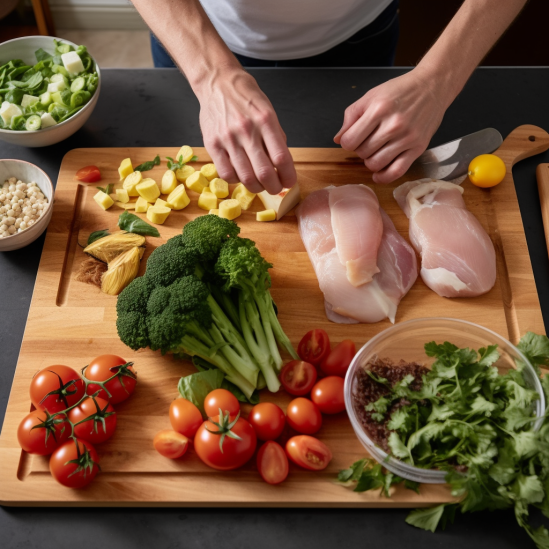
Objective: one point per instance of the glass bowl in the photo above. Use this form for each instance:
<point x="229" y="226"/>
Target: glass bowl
<point x="406" y="341"/>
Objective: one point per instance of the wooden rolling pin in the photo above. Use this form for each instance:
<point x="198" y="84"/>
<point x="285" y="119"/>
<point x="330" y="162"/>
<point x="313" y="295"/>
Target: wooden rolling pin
<point x="542" y="175"/>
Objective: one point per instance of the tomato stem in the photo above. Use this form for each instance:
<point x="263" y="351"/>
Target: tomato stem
<point x="225" y="425"/>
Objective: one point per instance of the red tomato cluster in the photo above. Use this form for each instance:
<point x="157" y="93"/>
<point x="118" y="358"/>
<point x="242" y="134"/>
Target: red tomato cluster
<point x="226" y="441"/>
<point x="74" y="412"/>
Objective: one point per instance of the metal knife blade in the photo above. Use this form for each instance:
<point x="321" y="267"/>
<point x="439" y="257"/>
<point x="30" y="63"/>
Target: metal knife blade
<point x="451" y="160"/>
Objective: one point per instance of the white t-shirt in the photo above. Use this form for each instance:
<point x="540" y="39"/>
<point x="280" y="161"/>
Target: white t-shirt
<point x="289" y="29"/>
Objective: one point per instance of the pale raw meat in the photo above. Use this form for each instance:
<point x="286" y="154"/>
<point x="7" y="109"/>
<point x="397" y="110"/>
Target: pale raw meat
<point x="357" y="227"/>
<point x="345" y="303"/>
<point x="457" y="256"/>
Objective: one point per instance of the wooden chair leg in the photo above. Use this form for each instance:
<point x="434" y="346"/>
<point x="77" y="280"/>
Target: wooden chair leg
<point x="43" y="17"/>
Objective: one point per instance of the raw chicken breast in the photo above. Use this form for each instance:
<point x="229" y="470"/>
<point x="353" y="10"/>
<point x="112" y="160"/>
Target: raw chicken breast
<point x="357" y="227"/>
<point x="457" y="256"/>
<point x="345" y="303"/>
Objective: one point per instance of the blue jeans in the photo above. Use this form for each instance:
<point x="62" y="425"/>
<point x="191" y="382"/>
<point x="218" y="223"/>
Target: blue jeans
<point x="373" y="46"/>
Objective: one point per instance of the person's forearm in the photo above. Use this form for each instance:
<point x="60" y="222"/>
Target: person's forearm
<point x="190" y="38"/>
<point x="467" y="39"/>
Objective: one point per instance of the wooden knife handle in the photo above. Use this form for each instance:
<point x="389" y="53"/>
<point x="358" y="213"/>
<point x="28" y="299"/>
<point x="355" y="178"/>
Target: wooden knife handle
<point x="521" y="143"/>
<point x="542" y="175"/>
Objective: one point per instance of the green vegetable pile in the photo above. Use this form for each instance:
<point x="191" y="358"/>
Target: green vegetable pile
<point x="17" y="79"/>
<point x="205" y="294"/>
<point x="474" y="424"/>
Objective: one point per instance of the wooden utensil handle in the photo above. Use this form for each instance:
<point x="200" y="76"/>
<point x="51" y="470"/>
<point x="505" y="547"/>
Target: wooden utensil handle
<point x="542" y="175"/>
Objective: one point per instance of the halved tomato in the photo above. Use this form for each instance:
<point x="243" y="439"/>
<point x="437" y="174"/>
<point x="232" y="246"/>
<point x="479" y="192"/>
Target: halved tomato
<point x="308" y="452"/>
<point x="314" y="347"/>
<point x="170" y="444"/>
<point x="298" y="377"/>
<point x="272" y="463"/>
<point x="88" y="174"/>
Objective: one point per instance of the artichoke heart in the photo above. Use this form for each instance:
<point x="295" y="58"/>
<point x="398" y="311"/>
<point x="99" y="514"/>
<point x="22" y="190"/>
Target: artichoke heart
<point x="122" y="270"/>
<point x="109" y="247"/>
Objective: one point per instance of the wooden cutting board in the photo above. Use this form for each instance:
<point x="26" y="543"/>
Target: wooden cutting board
<point x="70" y="323"/>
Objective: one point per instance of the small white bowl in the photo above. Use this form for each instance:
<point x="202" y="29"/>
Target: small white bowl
<point x="27" y="172"/>
<point x="24" y="48"/>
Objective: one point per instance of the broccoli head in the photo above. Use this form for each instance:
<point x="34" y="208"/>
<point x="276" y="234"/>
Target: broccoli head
<point x="169" y="262"/>
<point x="205" y="235"/>
<point x="177" y="310"/>
<point x="240" y="265"/>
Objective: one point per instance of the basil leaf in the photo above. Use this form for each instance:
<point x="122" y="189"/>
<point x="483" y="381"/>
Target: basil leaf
<point x="133" y="224"/>
<point x="106" y="190"/>
<point x="96" y="235"/>
<point x="146" y="166"/>
<point x="42" y="55"/>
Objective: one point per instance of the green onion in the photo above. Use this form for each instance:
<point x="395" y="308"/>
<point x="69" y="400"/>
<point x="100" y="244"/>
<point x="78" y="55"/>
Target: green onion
<point x="33" y="123"/>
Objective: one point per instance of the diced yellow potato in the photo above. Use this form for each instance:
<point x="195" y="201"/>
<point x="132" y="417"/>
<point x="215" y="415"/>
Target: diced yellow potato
<point x="158" y="214"/>
<point x="148" y="189"/>
<point x="219" y="187"/>
<point x="243" y="195"/>
<point x="230" y="209"/>
<point x="265" y="215"/>
<point x="125" y="168"/>
<point x="215" y="211"/>
<point x="209" y="171"/>
<point x="178" y="198"/>
<point x="196" y="182"/>
<point x="131" y="182"/>
<point x="186" y="152"/>
<point x="104" y="200"/>
<point x="169" y="182"/>
<point x="207" y="200"/>
<point x="282" y="202"/>
<point x="181" y="174"/>
<point x="125" y="205"/>
<point x="160" y="202"/>
<point x="141" y="206"/>
<point x="122" y="195"/>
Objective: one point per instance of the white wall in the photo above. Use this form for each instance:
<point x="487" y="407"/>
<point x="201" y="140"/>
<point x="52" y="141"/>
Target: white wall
<point x="95" y="14"/>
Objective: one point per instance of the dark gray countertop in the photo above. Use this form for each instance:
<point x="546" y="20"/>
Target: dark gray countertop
<point x="157" y="108"/>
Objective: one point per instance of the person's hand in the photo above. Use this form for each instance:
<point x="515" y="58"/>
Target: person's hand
<point x="242" y="133"/>
<point x="392" y="124"/>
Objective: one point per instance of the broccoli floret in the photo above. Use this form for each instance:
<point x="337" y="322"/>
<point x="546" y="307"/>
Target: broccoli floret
<point x="205" y="235"/>
<point x="134" y="296"/>
<point x="169" y="262"/>
<point x="132" y="329"/>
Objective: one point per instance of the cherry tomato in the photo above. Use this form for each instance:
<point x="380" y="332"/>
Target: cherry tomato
<point x="327" y="394"/>
<point x="106" y="366"/>
<point x="268" y="420"/>
<point x="337" y="362"/>
<point x="221" y="399"/>
<point x="94" y="422"/>
<point x="74" y="464"/>
<point x="235" y="452"/>
<point x="298" y="377"/>
<point x="56" y="388"/>
<point x="185" y="417"/>
<point x="41" y="433"/>
<point x="170" y="444"/>
<point x="308" y="452"/>
<point x="314" y="347"/>
<point x="272" y="463"/>
<point x="304" y="416"/>
<point x="487" y="170"/>
<point x="88" y="174"/>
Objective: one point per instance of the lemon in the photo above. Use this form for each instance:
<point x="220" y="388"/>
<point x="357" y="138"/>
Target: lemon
<point x="486" y="170"/>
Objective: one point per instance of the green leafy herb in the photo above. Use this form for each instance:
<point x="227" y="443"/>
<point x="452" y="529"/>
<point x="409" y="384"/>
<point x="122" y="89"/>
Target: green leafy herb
<point x="146" y="166"/>
<point x="96" y="235"/>
<point x="133" y="224"/>
<point x="176" y="165"/>
<point x="107" y="189"/>
<point x="42" y="55"/>
<point x="476" y="425"/>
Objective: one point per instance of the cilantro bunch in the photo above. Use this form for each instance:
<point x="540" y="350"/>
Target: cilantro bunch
<point x="474" y="423"/>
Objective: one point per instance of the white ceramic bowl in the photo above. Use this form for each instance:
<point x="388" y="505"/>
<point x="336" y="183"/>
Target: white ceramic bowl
<point x="406" y="341"/>
<point x="24" y="48"/>
<point x="27" y="172"/>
